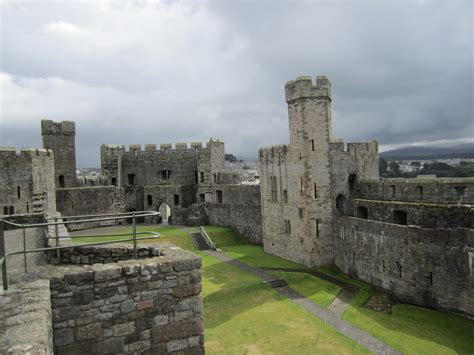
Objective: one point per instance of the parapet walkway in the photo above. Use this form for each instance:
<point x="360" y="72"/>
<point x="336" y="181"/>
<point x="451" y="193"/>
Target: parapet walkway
<point x="331" y="318"/>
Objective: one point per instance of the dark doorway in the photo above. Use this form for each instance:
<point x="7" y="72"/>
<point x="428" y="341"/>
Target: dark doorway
<point x="400" y="217"/>
<point x="362" y="212"/>
<point x="62" y="184"/>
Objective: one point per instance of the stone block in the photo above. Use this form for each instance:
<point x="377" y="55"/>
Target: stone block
<point x="178" y="330"/>
<point x="109" y="346"/>
<point x="144" y="305"/>
<point x="124" y="328"/>
<point x="161" y="320"/>
<point x="187" y="290"/>
<point x="175" y="345"/>
<point x="105" y="272"/>
<point x="127" y="306"/>
<point x="63" y="337"/>
<point x="185" y="264"/>
<point x="88" y="332"/>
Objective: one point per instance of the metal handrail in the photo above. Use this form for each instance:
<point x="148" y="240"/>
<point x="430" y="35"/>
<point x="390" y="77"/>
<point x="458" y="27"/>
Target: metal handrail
<point x="57" y="237"/>
<point x="207" y="239"/>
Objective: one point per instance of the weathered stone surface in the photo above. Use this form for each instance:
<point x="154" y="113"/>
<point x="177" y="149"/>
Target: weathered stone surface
<point x="91" y="331"/>
<point x="24" y="328"/>
<point x="109" y="346"/>
<point x="63" y="337"/>
<point x="91" y="316"/>
<point x="106" y="272"/>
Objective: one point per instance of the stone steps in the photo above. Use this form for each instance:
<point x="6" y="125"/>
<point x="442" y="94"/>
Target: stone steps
<point x="199" y="241"/>
<point x="278" y="283"/>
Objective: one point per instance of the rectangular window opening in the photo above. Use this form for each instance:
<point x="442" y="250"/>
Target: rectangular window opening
<point x="317" y="227"/>
<point x="300" y="212"/>
<point x="392" y="190"/>
<point x="285" y="196"/>
<point x="218" y="196"/>
<point x="315" y="191"/>
<point x="312" y="145"/>
<point x="131" y="179"/>
<point x="19" y="191"/>
<point x="176" y="199"/>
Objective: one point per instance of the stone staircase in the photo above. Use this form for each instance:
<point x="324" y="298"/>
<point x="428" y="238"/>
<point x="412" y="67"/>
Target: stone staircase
<point x="278" y="283"/>
<point x="199" y="241"/>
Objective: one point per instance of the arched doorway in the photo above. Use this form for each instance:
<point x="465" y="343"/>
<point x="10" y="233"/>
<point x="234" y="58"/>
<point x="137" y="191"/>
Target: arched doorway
<point x="165" y="211"/>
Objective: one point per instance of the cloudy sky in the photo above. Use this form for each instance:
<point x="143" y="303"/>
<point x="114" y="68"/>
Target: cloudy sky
<point x="156" y="72"/>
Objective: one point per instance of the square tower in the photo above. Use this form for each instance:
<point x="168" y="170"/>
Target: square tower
<point x="60" y="138"/>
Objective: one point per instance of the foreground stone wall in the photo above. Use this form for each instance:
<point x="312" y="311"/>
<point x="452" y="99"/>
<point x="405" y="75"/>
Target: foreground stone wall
<point x="26" y="320"/>
<point x="430" y="267"/>
<point x="240" y="209"/>
<point x="150" y="306"/>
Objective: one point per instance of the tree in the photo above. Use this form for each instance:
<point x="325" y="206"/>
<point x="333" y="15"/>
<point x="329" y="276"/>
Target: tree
<point x="394" y="167"/>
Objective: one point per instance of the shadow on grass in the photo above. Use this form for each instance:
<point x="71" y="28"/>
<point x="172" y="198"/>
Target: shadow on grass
<point x="410" y="328"/>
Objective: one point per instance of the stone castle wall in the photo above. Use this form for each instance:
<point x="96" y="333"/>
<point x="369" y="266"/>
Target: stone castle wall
<point x="240" y="210"/>
<point x="27" y="181"/>
<point x="430" y="267"/>
<point x="422" y="189"/>
<point x="149" y="306"/>
<point x="422" y="214"/>
<point x="88" y="201"/>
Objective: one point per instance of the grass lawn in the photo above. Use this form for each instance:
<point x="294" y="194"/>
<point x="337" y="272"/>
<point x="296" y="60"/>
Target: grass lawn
<point x="169" y="234"/>
<point x="317" y="290"/>
<point x="254" y="255"/>
<point x="244" y="316"/>
<point x="409" y="329"/>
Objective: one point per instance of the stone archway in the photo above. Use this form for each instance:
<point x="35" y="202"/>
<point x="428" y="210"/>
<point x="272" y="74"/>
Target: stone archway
<point x="165" y="211"/>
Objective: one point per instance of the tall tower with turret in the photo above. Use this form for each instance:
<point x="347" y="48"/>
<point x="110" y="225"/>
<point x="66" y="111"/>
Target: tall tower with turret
<point x="60" y="138"/>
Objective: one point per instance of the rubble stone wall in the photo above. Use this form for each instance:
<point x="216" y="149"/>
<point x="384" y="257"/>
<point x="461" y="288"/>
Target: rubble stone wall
<point x="150" y="306"/>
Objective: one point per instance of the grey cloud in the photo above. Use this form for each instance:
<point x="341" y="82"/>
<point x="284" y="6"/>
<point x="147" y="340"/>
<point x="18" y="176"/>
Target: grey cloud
<point x="140" y="72"/>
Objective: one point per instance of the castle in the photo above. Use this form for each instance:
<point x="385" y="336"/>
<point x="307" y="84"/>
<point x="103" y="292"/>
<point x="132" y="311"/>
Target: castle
<point x="319" y="202"/>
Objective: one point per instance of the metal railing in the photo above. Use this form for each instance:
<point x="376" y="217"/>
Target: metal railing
<point x="207" y="239"/>
<point x="58" y="221"/>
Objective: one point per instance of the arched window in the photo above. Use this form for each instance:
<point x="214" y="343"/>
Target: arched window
<point x="362" y="212"/>
<point x="149" y="200"/>
<point x="400" y="217"/>
<point x="62" y="184"/>
<point x="341" y="204"/>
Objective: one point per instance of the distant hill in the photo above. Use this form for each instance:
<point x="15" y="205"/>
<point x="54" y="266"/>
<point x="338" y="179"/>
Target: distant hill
<point x="423" y="153"/>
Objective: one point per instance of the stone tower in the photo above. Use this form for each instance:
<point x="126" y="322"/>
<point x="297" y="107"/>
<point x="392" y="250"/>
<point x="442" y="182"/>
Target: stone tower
<point x="296" y="178"/>
<point x="60" y="138"/>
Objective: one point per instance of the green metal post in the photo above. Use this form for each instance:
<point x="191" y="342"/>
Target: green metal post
<point x="2" y="256"/>
<point x="134" y="229"/>
<point x="24" y="248"/>
<point x="56" y="232"/>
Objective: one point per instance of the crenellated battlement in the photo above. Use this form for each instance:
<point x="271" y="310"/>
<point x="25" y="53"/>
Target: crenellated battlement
<point x="56" y="128"/>
<point x="303" y="87"/>
<point x="372" y="147"/>
<point x="163" y="147"/>
<point x="25" y="153"/>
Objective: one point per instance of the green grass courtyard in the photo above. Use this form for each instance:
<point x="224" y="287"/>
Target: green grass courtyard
<point x="242" y="315"/>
